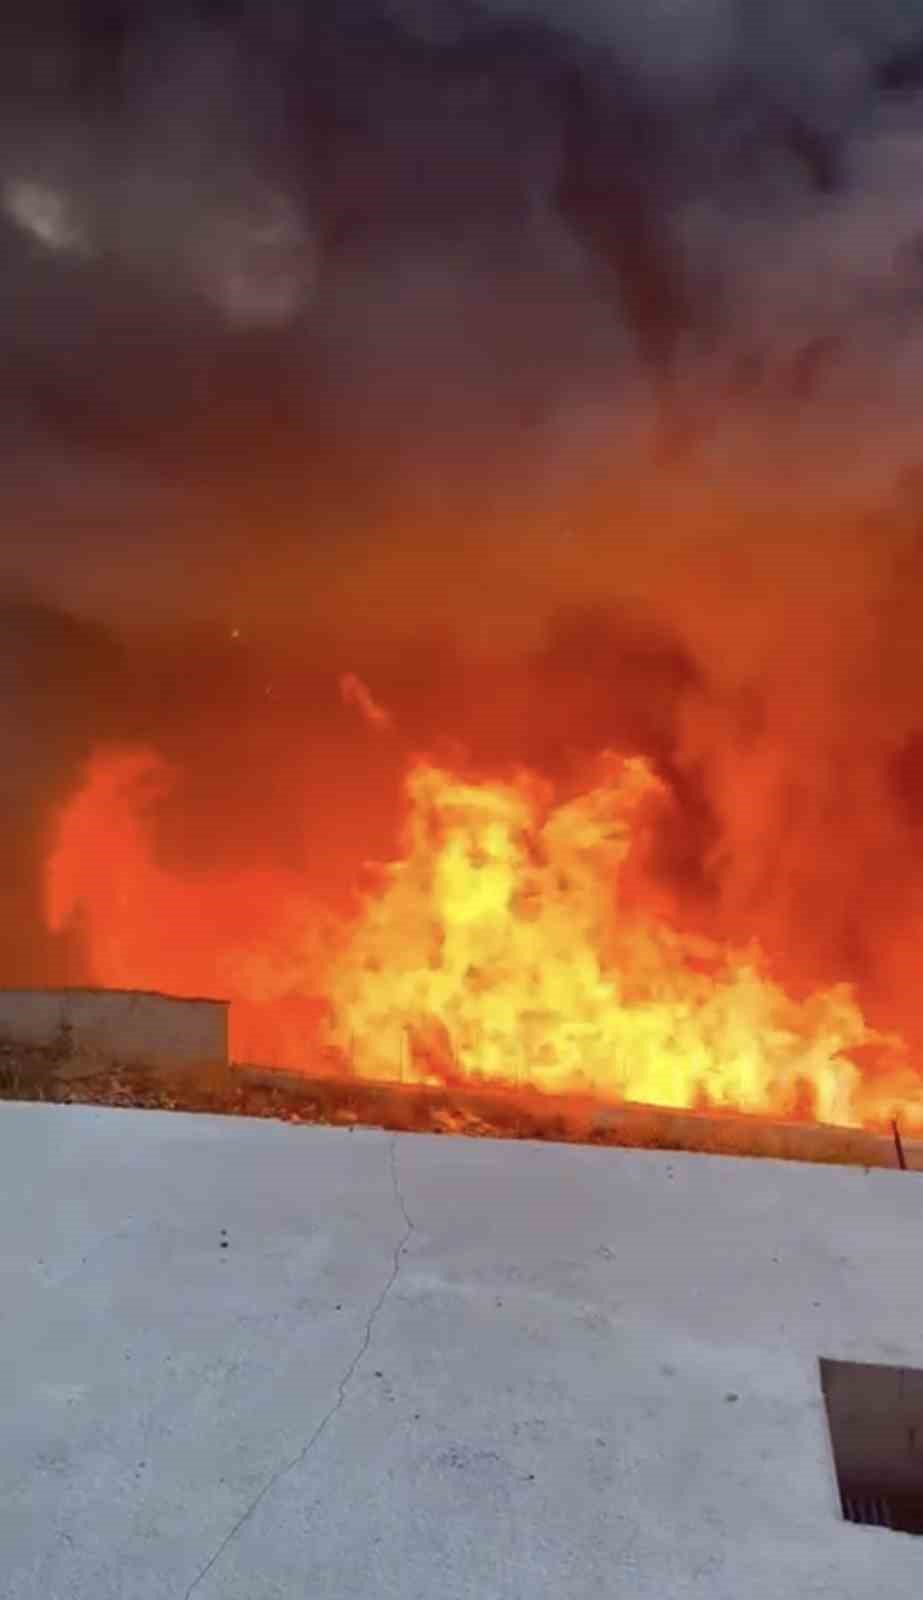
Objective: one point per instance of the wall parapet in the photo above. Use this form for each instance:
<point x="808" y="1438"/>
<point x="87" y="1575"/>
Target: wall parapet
<point x="131" y="1026"/>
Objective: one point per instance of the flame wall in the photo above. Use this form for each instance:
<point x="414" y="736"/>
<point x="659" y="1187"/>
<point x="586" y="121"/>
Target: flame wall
<point x="556" y="380"/>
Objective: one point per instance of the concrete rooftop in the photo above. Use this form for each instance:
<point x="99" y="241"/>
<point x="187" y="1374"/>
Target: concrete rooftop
<point x="241" y="1360"/>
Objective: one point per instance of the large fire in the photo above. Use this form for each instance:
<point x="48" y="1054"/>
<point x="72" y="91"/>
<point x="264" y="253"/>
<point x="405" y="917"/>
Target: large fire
<point x="518" y="938"/>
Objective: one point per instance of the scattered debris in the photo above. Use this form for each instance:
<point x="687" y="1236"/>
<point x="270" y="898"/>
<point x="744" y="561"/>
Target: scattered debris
<point x="61" y="1074"/>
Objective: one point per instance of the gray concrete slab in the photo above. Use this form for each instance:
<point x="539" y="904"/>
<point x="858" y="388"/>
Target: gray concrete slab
<point x="129" y="1026"/>
<point x="425" y="1367"/>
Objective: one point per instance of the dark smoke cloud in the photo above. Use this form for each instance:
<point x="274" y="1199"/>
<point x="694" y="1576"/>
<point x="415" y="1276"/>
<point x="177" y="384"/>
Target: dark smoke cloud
<point x="404" y="339"/>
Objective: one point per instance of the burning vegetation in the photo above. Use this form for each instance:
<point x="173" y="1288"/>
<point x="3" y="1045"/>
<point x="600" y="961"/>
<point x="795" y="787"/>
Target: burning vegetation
<point x="518" y="940"/>
<point x="465" y="563"/>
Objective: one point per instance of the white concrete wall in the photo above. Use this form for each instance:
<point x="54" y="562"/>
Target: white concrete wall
<point x="125" y="1025"/>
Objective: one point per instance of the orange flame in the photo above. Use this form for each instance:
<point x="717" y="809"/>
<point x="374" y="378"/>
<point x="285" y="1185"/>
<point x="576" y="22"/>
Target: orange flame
<point x="255" y="937"/>
<point x="517" y="939"/>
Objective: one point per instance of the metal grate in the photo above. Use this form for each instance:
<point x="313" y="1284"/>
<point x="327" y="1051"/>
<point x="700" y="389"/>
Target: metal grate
<point x="875" y="1417"/>
<point x="876" y="1512"/>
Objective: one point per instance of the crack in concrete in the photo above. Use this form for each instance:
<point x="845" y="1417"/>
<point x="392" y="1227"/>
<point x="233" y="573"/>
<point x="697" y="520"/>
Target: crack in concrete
<point x="342" y="1387"/>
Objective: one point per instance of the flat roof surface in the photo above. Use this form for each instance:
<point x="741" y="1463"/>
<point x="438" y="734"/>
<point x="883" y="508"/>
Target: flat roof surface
<point x="241" y="1360"/>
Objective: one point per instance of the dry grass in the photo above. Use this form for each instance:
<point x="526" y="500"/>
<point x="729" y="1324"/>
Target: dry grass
<point x="33" y="1074"/>
<point x="62" y="1075"/>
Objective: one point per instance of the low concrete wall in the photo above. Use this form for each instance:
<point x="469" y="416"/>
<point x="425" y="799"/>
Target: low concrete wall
<point x="124" y="1025"/>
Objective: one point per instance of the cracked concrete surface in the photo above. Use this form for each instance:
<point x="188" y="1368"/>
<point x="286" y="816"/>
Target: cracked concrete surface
<point x="342" y="1386"/>
<point x="247" y="1361"/>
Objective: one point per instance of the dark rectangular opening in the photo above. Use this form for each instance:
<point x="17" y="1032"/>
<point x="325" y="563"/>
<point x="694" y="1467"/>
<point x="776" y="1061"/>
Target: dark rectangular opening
<point x="875" y="1417"/>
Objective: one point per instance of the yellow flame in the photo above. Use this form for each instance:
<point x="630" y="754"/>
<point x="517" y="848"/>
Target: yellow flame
<point x="501" y="946"/>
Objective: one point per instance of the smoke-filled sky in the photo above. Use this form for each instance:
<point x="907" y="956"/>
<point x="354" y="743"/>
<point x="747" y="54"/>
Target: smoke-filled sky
<point x="557" y="367"/>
